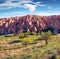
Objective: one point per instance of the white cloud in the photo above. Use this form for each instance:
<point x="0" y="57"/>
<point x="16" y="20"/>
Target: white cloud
<point x="30" y="7"/>
<point x="29" y="4"/>
<point x="49" y="7"/>
<point x="5" y="8"/>
<point x="39" y="4"/>
<point x="47" y="13"/>
<point x="9" y="3"/>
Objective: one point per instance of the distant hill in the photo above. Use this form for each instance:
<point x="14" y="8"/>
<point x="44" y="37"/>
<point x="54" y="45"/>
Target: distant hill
<point x="29" y="23"/>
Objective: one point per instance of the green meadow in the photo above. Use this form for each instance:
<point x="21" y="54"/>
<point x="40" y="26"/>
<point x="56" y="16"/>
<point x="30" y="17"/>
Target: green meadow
<point x="30" y="46"/>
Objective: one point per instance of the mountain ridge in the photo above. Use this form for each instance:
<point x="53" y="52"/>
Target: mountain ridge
<point x="33" y="23"/>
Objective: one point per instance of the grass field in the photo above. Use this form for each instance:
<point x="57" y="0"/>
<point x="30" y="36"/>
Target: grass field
<point x="26" y="46"/>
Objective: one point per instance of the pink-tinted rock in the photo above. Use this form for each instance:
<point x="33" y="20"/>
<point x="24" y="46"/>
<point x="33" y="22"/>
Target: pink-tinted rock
<point x="29" y="22"/>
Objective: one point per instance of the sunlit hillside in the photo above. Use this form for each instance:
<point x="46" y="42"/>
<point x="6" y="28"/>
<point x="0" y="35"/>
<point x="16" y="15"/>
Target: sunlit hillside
<point x="30" y="46"/>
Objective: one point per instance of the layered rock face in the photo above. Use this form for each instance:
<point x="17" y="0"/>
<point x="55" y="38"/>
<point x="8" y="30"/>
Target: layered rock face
<point x="31" y="23"/>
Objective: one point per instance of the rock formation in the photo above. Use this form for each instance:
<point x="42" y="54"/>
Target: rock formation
<point x="32" y="23"/>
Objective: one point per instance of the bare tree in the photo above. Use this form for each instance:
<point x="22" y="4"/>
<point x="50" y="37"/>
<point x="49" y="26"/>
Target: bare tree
<point x="46" y="36"/>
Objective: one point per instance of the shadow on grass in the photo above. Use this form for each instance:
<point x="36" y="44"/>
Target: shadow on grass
<point x="9" y="35"/>
<point x="40" y="39"/>
<point x="23" y="36"/>
<point x="15" y="41"/>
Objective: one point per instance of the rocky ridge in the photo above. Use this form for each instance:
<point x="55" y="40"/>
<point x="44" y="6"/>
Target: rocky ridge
<point x="31" y="23"/>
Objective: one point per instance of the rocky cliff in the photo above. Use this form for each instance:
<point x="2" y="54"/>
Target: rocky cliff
<point x="29" y="23"/>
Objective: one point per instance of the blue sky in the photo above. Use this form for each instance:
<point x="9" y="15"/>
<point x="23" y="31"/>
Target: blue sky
<point x="11" y="8"/>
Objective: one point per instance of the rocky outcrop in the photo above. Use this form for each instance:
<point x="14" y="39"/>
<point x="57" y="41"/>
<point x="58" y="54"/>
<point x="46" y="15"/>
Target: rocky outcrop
<point x="29" y="23"/>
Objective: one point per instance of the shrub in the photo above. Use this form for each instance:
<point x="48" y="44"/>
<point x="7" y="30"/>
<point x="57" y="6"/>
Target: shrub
<point x="22" y="35"/>
<point x="26" y="41"/>
<point x="45" y="36"/>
